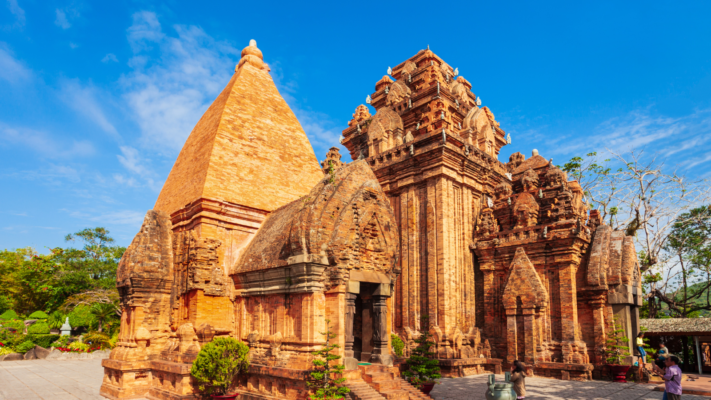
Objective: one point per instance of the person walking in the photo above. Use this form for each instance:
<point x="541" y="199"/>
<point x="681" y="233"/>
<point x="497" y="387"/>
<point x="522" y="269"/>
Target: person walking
<point x="518" y="378"/>
<point x="672" y="378"/>
<point x="640" y="349"/>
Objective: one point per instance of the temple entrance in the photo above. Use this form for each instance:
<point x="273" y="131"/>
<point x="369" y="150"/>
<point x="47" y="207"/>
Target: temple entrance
<point x="366" y="324"/>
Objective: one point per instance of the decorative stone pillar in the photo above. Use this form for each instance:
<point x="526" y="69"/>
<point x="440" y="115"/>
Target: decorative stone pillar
<point x="598" y="306"/>
<point x="349" y="360"/>
<point x="512" y="348"/>
<point x="381" y="353"/>
<point x="529" y="334"/>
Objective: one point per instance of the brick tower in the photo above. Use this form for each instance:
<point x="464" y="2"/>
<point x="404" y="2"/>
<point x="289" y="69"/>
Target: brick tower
<point x="503" y="258"/>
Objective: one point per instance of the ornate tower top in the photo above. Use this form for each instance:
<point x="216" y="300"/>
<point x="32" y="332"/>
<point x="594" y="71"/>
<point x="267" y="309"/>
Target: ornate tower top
<point x="248" y="138"/>
<point x="426" y="98"/>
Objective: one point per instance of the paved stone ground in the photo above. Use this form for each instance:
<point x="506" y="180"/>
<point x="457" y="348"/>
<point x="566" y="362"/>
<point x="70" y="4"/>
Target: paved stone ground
<point x="81" y="379"/>
<point x="474" y="387"/>
<point x="50" y="380"/>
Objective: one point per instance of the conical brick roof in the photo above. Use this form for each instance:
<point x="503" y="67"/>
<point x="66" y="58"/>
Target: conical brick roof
<point x="248" y="148"/>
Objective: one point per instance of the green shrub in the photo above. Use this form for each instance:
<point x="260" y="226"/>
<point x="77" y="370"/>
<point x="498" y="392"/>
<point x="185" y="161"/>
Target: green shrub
<point x="15" y="324"/>
<point x="97" y="339"/>
<point x="62" y="341"/>
<point x="397" y="344"/>
<point x="38" y="315"/>
<point x="25" y="346"/>
<point x="43" y="340"/>
<point x="79" y="346"/>
<point x="9" y="314"/>
<point x="114" y="340"/>
<point x="56" y="319"/>
<point x="38" y="328"/>
<point x="217" y="363"/>
<point x="10" y="339"/>
<point x="6" y="350"/>
<point x="81" y="316"/>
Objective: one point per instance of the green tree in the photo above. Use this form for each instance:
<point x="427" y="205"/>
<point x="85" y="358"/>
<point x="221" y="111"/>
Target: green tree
<point x="103" y="312"/>
<point x="422" y="366"/>
<point x="322" y="382"/>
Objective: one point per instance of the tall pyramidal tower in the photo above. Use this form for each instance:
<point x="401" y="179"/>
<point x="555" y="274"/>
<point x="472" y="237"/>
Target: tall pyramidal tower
<point x="247" y="139"/>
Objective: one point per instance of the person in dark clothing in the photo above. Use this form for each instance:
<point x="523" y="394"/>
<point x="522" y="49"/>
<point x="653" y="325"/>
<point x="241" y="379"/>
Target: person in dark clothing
<point x="518" y="378"/>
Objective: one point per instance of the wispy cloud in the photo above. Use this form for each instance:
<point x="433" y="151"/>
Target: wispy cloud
<point x="11" y="69"/>
<point x="672" y="138"/>
<point x="61" y="20"/>
<point x="109" y="58"/>
<point x="121" y="217"/>
<point x="175" y="77"/>
<point x="44" y="144"/>
<point x="18" y="12"/>
<point x="84" y="100"/>
<point x="138" y="166"/>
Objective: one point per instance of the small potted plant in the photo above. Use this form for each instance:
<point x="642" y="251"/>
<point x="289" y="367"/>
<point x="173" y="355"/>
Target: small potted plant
<point x="422" y="366"/>
<point x="615" y="349"/>
<point x="216" y="365"/>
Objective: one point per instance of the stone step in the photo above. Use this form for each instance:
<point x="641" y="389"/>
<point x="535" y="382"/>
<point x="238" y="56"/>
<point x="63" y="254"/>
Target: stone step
<point x="383" y="385"/>
<point x="413" y="391"/>
<point x="360" y="390"/>
<point x="377" y="377"/>
<point x="395" y="394"/>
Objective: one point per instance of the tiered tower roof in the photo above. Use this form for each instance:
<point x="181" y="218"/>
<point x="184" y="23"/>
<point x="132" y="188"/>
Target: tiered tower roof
<point x="423" y="98"/>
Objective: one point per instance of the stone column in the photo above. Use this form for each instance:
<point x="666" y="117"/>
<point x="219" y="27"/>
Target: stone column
<point x="598" y="306"/>
<point x="511" y="347"/>
<point x="381" y="353"/>
<point x="529" y="335"/>
<point x="568" y="303"/>
<point x="349" y="360"/>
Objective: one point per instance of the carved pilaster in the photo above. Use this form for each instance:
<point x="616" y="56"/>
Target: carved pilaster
<point x="349" y="360"/>
<point x="380" y="354"/>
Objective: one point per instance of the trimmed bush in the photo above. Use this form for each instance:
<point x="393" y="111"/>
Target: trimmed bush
<point x="25" y="346"/>
<point x="38" y="315"/>
<point x="96" y="339"/>
<point x="5" y="350"/>
<point x="397" y="344"/>
<point x="9" y="314"/>
<point x="17" y="325"/>
<point x="38" y="328"/>
<point x="217" y="363"/>
<point x="62" y="341"/>
<point x="79" y="346"/>
<point x="43" y="340"/>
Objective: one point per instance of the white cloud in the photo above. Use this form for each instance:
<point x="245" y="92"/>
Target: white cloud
<point x="135" y="164"/>
<point x="11" y="69"/>
<point x="61" y="20"/>
<point x="44" y="144"/>
<point x="175" y="78"/>
<point x="122" y="217"/>
<point x="109" y="58"/>
<point x="18" y="12"/>
<point x="84" y="99"/>
<point x="671" y="138"/>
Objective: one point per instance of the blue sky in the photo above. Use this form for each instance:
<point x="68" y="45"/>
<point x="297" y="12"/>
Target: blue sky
<point x="98" y="97"/>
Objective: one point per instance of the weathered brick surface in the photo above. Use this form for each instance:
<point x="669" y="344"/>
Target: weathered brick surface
<point x="467" y="220"/>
